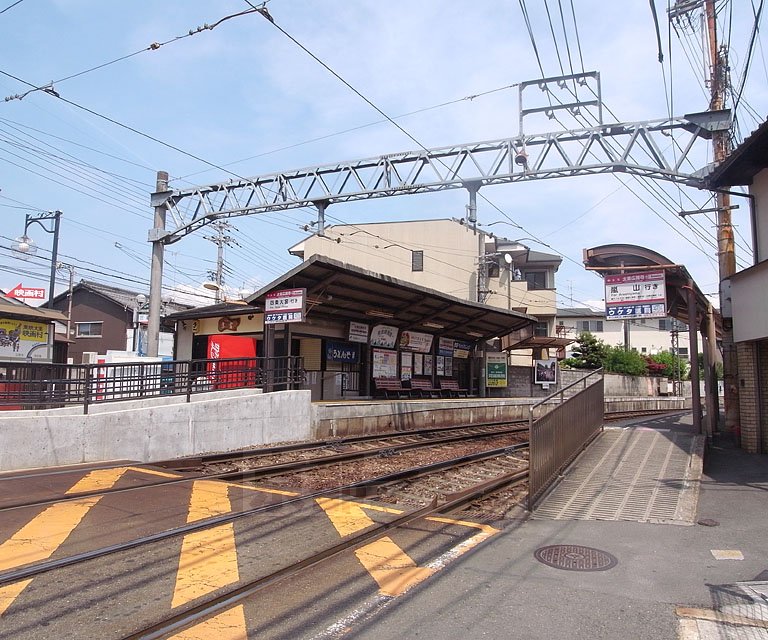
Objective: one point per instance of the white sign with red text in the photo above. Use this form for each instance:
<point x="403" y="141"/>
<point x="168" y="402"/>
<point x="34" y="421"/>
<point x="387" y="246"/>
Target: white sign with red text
<point x="284" y="306"/>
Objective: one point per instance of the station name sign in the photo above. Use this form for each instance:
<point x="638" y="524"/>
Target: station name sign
<point x="636" y="295"/>
<point x="285" y="306"/>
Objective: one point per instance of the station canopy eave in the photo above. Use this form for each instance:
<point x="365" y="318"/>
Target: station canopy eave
<point x="612" y="259"/>
<point x="341" y="292"/>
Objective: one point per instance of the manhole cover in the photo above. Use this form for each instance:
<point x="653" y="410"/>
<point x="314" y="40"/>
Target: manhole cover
<point x="574" y="557"/>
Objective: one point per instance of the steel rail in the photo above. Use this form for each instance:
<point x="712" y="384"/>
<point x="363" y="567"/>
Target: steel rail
<point x="266" y="470"/>
<point x="207" y="523"/>
<point x="329" y="442"/>
<point x="224" y="601"/>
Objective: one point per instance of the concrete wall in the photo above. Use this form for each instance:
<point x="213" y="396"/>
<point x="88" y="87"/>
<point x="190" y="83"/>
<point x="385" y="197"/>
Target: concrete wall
<point x="214" y="422"/>
<point x="619" y="385"/>
<point x="337" y="419"/>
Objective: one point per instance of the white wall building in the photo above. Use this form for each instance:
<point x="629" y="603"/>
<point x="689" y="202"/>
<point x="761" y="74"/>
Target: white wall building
<point x="649" y="337"/>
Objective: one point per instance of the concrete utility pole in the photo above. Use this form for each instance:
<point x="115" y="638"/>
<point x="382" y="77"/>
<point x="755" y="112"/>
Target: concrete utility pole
<point x="221" y="239"/>
<point x="725" y="245"/>
<point x="156" y="236"/>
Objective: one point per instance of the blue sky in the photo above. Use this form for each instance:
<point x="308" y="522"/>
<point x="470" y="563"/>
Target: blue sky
<point x="243" y="97"/>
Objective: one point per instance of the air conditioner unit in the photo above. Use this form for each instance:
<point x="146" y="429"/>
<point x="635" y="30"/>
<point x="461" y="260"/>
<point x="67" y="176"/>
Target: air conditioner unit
<point x="90" y="357"/>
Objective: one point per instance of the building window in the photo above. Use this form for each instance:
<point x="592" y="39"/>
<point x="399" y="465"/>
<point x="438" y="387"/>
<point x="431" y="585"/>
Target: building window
<point x="536" y="279"/>
<point x="643" y="350"/>
<point x="665" y="324"/>
<point x="88" y="329"/>
<point x="541" y="329"/>
<point x="683" y="353"/>
<point x="417" y="261"/>
<point x="593" y="326"/>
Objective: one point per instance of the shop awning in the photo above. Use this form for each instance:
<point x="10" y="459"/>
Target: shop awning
<point x="340" y="292"/>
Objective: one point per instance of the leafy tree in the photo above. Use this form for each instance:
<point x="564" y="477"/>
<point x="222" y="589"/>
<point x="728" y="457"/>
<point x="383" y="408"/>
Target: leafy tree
<point x="589" y="352"/>
<point x="618" y="360"/>
<point x="718" y="367"/>
<point x="665" y="364"/>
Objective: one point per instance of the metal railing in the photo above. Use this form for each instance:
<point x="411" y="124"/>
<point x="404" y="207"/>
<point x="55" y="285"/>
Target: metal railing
<point x="37" y="386"/>
<point x="563" y="431"/>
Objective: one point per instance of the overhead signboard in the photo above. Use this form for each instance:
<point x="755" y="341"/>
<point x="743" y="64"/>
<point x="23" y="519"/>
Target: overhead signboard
<point x="636" y="295"/>
<point x="285" y="306"/>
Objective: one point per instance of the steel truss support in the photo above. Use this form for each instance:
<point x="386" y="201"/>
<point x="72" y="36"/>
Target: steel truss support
<point x="641" y="149"/>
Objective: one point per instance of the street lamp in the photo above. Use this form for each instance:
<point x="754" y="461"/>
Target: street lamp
<point x="26" y="246"/>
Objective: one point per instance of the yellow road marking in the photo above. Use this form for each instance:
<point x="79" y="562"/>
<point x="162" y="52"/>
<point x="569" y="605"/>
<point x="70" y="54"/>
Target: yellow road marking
<point x="208" y="559"/>
<point x="392" y="568"/>
<point x="278" y="492"/>
<point x="153" y="472"/>
<point x="45" y="533"/>
<point x="229" y="625"/>
<point x="9" y="593"/>
<point x="41" y="536"/>
<point x="347" y="517"/>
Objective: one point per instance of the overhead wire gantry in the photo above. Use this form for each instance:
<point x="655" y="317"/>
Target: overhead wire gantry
<point x="658" y="149"/>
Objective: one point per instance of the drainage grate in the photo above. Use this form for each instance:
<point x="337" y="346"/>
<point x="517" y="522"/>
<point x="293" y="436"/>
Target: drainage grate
<point x="574" y="557"/>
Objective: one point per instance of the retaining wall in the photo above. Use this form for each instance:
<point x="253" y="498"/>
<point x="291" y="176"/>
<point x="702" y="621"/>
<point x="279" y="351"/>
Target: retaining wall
<point x="146" y="432"/>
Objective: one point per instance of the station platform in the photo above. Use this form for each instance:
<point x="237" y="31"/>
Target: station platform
<point x="700" y="573"/>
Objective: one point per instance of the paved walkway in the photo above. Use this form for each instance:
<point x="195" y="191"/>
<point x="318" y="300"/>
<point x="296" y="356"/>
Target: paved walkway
<point x="703" y="579"/>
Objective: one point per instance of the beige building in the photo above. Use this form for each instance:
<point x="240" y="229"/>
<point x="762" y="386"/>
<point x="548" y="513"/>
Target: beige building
<point x="451" y="257"/>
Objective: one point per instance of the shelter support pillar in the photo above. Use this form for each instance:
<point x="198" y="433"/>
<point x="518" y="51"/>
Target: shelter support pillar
<point x="693" y="322"/>
<point x="713" y="400"/>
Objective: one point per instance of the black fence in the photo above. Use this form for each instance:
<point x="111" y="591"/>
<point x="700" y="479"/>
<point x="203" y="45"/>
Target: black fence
<point x="38" y="386"/>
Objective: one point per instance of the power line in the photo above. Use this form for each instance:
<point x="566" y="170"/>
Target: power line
<point x="11" y="6"/>
<point x="49" y="88"/>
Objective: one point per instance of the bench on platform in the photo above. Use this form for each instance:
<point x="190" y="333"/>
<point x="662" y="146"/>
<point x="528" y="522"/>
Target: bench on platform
<point x="423" y="388"/>
<point x="451" y="389"/>
<point x="391" y="388"/>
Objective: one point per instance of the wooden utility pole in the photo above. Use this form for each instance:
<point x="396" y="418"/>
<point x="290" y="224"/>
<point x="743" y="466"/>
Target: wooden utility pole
<point x="726" y="255"/>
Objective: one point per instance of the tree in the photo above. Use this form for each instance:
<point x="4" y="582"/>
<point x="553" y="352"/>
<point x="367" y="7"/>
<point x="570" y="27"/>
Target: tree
<point x="619" y="360"/>
<point x="718" y="367"/>
<point x="667" y="365"/>
<point x="589" y="352"/>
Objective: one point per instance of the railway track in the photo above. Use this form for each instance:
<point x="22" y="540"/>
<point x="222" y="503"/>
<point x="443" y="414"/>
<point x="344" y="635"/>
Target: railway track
<point x="270" y="461"/>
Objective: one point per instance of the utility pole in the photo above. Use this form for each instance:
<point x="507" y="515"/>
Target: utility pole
<point x="221" y="239"/>
<point x="156" y="237"/>
<point x="71" y="269"/>
<point x="726" y="255"/>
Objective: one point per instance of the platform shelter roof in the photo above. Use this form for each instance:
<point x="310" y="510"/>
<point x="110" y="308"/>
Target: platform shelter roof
<point x="614" y="259"/>
<point x="342" y="292"/>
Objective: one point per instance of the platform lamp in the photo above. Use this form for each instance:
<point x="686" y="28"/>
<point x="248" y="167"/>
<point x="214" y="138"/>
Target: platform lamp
<point x="26" y="246"/>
